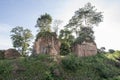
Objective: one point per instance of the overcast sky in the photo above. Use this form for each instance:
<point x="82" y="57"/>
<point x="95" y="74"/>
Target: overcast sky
<point x="25" y="13"/>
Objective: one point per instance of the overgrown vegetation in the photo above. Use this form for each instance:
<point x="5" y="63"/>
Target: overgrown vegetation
<point x="43" y="67"/>
<point x="81" y="25"/>
<point x="46" y="35"/>
<point x="2" y="54"/>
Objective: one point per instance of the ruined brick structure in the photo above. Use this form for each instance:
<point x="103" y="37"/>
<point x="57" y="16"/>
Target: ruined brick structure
<point x="85" y="49"/>
<point x="11" y="54"/>
<point x="50" y="44"/>
<point x="47" y="46"/>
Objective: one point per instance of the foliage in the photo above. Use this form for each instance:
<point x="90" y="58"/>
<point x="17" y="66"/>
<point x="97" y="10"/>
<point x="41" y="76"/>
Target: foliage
<point x="118" y="51"/>
<point x="36" y="68"/>
<point x="86" y="34"/>
<point x="102" y="50"/>
<point x="65" y="49"/>
<point x="111" y="50"/>
<point x="85" y="17"/>
<point x="92" y="68"/>
<point x="105" y="67"/>
<point x="46" y="34"/>
<point x="43" y="22"/>
<point x="66" y="36"/>
<point x="70" y="63"/>
<point x="5" y="69"/>
<point x="43" y="67"/>
<point x="114" y="56"/>
<point x="2" y="54"/>
<point x="67" y="39"/>
<point x="83" y="21"/>
<point x="21" y="38"/>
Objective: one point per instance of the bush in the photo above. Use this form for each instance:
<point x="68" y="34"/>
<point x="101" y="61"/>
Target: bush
<point x="111" y="51"/>
<point x="70" y="63"/>
<point x="42" y="67"/>
<point x="2" y="54"/>
<point x="96" y="67"/>
<point x="5" y="69"/>
<point x="65" y="49"/>
<point x="106" y="68"/>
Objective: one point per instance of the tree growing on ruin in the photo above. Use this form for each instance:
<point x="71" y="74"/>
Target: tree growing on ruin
<point x="85" y="19"/>
<point x="44" y="23"/>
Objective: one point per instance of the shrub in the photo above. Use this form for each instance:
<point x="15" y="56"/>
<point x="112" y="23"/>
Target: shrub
<point x="2" y="54"/>
<point x="65" y="49"/>
<point x="111" y="51"/>
<point x="42" y="67"/>
<point x="70" y="63"/>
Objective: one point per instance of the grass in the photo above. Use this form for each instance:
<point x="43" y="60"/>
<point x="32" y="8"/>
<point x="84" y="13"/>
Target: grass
<point x="43" y="67"/>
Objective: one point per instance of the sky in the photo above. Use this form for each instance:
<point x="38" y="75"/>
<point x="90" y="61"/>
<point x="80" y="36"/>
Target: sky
<point x="25" y="13"/>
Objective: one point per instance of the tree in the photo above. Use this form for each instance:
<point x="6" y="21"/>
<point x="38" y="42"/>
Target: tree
<point x="67" y="40"/>
<point x="111" y="50"/>
<point x="65" y="49"/>
<point x="102" y="49"/>
<point x="86" y="34"/>
<point x="21" y="38"/>
<point x="44" y="22"/>
<point x="66" y="36"/>
<point x="84" y="17"/>
<point x="2" y="54"/>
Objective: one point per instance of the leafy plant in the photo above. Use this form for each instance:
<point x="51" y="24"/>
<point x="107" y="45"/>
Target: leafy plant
<point x="2" y="54"/>
<point x="111" y="50"/>
<point x="21" y="38"/>
<point x="65" y="49"/>
<point x="71" y="63"/>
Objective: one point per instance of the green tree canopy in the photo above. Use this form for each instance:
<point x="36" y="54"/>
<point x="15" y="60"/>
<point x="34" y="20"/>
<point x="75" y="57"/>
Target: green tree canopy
<point x="44" y="22"/>
<point x="21" y="38"/>
<point x="85" y="17"/>
<point x="66" y="36"/>
<point x="86" y="34"/>
<point x="67" y="40"/>
<point x="83" y="21"/>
